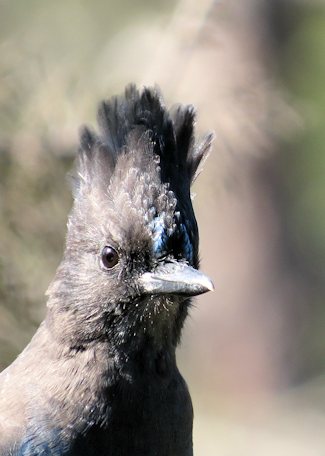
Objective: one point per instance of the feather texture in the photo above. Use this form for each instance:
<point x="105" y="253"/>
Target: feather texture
<point x="99" y="378"/>
<point x="136" y="115"/>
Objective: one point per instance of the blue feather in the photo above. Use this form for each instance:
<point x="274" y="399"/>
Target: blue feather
<point x="187" y="244"/>
<point x="39" y="443"/>
<point x="161" y="235"/>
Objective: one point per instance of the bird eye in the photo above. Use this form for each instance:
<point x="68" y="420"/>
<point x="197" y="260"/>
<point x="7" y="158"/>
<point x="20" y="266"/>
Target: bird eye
<point x="109" y="257"/>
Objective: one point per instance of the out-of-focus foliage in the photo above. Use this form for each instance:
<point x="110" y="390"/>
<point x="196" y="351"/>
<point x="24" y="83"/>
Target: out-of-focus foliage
<point x="301" y="168"/>
<point x="303" y="65"/>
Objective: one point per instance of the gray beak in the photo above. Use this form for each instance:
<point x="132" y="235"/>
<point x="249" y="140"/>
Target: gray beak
<point x="175" y="278"/>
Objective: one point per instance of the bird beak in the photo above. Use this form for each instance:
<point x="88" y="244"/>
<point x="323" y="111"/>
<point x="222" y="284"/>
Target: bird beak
<point x="175" y="278"/>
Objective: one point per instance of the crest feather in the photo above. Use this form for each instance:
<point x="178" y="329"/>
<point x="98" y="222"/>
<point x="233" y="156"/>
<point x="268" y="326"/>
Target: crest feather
<point x="136" y="114"/>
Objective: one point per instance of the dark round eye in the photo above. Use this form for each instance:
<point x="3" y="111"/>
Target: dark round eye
<point x="109" y="257"/>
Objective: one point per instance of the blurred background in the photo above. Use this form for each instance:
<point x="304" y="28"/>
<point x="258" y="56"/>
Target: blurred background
<point x="253" y="352"/>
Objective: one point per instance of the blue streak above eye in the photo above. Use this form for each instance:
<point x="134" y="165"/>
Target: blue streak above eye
<point x="28" y="448"/>
<point x="40" y="441"/>
<point x="160" y="236"/>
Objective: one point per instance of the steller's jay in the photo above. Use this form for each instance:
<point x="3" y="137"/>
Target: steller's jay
<point x="100" y="377"/>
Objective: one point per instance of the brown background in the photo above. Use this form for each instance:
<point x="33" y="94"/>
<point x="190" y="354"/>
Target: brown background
<point x="253" y="351"/>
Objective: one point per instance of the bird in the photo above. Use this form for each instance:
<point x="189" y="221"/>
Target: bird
<point x="99" y="376"/>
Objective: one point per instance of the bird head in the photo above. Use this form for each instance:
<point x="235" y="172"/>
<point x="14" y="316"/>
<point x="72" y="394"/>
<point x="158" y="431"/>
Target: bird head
<point x="131" y="258"/>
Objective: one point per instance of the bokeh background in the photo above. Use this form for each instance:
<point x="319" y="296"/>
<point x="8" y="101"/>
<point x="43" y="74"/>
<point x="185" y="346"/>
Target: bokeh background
<point x="253" y="352"/>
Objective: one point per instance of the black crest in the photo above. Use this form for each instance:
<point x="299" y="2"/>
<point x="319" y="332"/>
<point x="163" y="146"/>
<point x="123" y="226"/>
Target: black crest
<point x="140" y="118"/>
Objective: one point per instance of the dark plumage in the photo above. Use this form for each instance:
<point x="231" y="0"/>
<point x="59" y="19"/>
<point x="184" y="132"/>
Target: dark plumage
<point x="99" y="377"/>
